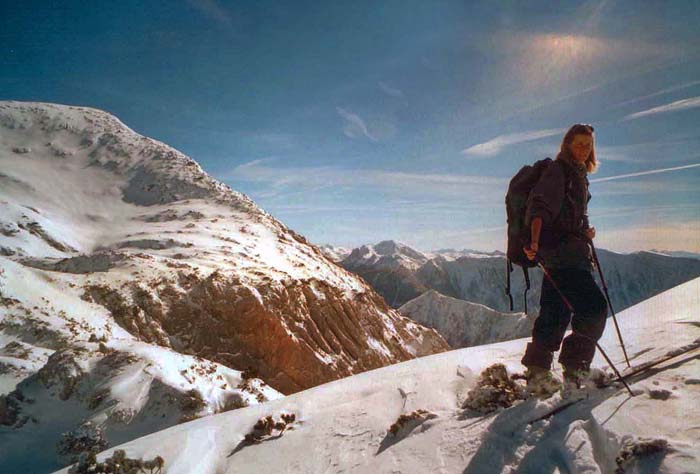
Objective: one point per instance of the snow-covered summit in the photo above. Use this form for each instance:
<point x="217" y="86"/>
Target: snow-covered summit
<point x="334" y="253"/>
<point x="387" y="253"/>
<point x="76" y="180"/>
<point x="145" y="170"/>
<point x="452" y="254"/>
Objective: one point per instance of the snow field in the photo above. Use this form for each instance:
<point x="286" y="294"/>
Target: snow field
<point x="343" y="426"/>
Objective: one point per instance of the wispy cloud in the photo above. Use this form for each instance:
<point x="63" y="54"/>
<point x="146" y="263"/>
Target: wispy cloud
<point x="644" y="173"/>
<point x="388" y="207"/>
<point x="658" y="93"/>
<point x="258" y="170"/>
<point x="354" y="125"/>
<point x="281" y="182"/>
<point x="213" y="10"/>
<point x="496" y="145"/>
<point x="683" y="104"/>
<point x="389" y="90"/>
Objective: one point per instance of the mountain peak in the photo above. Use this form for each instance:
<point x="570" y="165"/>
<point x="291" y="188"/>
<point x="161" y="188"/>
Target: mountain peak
<point x="387" y="253"/>
<point x="144" y="170"/>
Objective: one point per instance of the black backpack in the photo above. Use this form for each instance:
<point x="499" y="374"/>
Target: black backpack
<point x="517" y="198"/>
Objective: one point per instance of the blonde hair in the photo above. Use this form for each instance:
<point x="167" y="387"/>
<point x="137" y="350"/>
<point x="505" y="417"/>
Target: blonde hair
<point x="579" y="129"/>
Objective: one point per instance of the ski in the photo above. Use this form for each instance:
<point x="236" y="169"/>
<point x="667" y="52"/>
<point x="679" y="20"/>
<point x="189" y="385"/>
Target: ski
<point x="672" y="354"/>
<point x="630" y="372"/>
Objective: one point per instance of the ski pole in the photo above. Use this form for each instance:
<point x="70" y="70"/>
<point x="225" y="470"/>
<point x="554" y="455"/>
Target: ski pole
<point x="607" y="297"/>
<point x="571" y="308"/>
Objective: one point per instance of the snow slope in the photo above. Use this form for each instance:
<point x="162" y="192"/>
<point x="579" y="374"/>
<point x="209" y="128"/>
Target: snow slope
<point x="343" y="426"/>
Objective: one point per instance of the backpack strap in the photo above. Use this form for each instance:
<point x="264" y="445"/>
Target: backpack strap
<point x="509" y="269"/>
<point x="527" y="286"/>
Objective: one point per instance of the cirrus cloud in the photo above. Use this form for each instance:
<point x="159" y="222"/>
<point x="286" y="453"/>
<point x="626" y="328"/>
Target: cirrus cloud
<point x="496" y="145"/>
<point x="682" y="104"/>
<point x="354" y="125"/>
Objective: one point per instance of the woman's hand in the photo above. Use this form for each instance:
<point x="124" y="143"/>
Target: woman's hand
<point x="531" y="251"/>
<point x="590" y="233"/>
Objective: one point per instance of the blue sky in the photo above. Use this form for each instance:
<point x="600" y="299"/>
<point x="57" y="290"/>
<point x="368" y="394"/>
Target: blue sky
<point x="354" y="122"/>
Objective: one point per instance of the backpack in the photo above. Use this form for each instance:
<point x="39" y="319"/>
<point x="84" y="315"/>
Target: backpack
<point x="517" y="199"/>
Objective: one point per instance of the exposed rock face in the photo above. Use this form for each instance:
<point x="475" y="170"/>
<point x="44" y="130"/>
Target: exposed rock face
<point x="465" y="324"/>
<point x="294" y="334"/>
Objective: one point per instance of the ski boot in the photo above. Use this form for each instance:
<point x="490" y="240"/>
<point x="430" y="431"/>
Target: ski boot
<point x="578" y="382"/>
<point x="575" y="382"/>
<point x="541" y="382"/>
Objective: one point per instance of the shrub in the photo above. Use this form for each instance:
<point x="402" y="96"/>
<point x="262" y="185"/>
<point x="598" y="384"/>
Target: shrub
<point x="117" y="464"/>
<point x="87" y="438"/>
<point x="265" y="427"/>
<point x="633" y="450"/>
<point x="234" y="402"/>
<point x="495" y="389"/>
<point x="415" y="417"/>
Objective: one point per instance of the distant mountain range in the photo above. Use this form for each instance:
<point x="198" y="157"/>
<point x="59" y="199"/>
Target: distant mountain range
<point x="400" y="273"/>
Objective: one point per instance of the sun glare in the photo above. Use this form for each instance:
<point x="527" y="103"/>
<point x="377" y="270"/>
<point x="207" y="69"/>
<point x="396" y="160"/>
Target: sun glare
<point x="548" y="57"/>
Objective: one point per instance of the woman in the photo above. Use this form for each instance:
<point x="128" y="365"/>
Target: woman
<point x="559" y="228"/>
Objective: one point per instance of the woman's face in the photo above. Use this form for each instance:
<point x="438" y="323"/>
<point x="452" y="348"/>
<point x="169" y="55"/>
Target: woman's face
<point x="580" y="147"/>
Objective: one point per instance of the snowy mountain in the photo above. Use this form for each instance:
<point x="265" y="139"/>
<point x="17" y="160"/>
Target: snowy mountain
<point x="136" y="291"/>
<point x="390" y="267"/>
<point x="334" y="253"/>
<point x="465" y="324"/>
<point x="452" y="254"/>
<point x="409" y="418"/>
<point x="385" y="254"/>
<point x="481" y="278"/>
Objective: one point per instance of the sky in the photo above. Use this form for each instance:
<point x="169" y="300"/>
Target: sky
<point x="356" y="122"/>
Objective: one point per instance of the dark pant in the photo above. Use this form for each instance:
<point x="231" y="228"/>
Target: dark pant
<point x="588" y="322"/>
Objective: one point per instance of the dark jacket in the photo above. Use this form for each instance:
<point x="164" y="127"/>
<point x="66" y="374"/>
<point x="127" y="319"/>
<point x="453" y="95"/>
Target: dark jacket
<point x="561" y="198"/>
